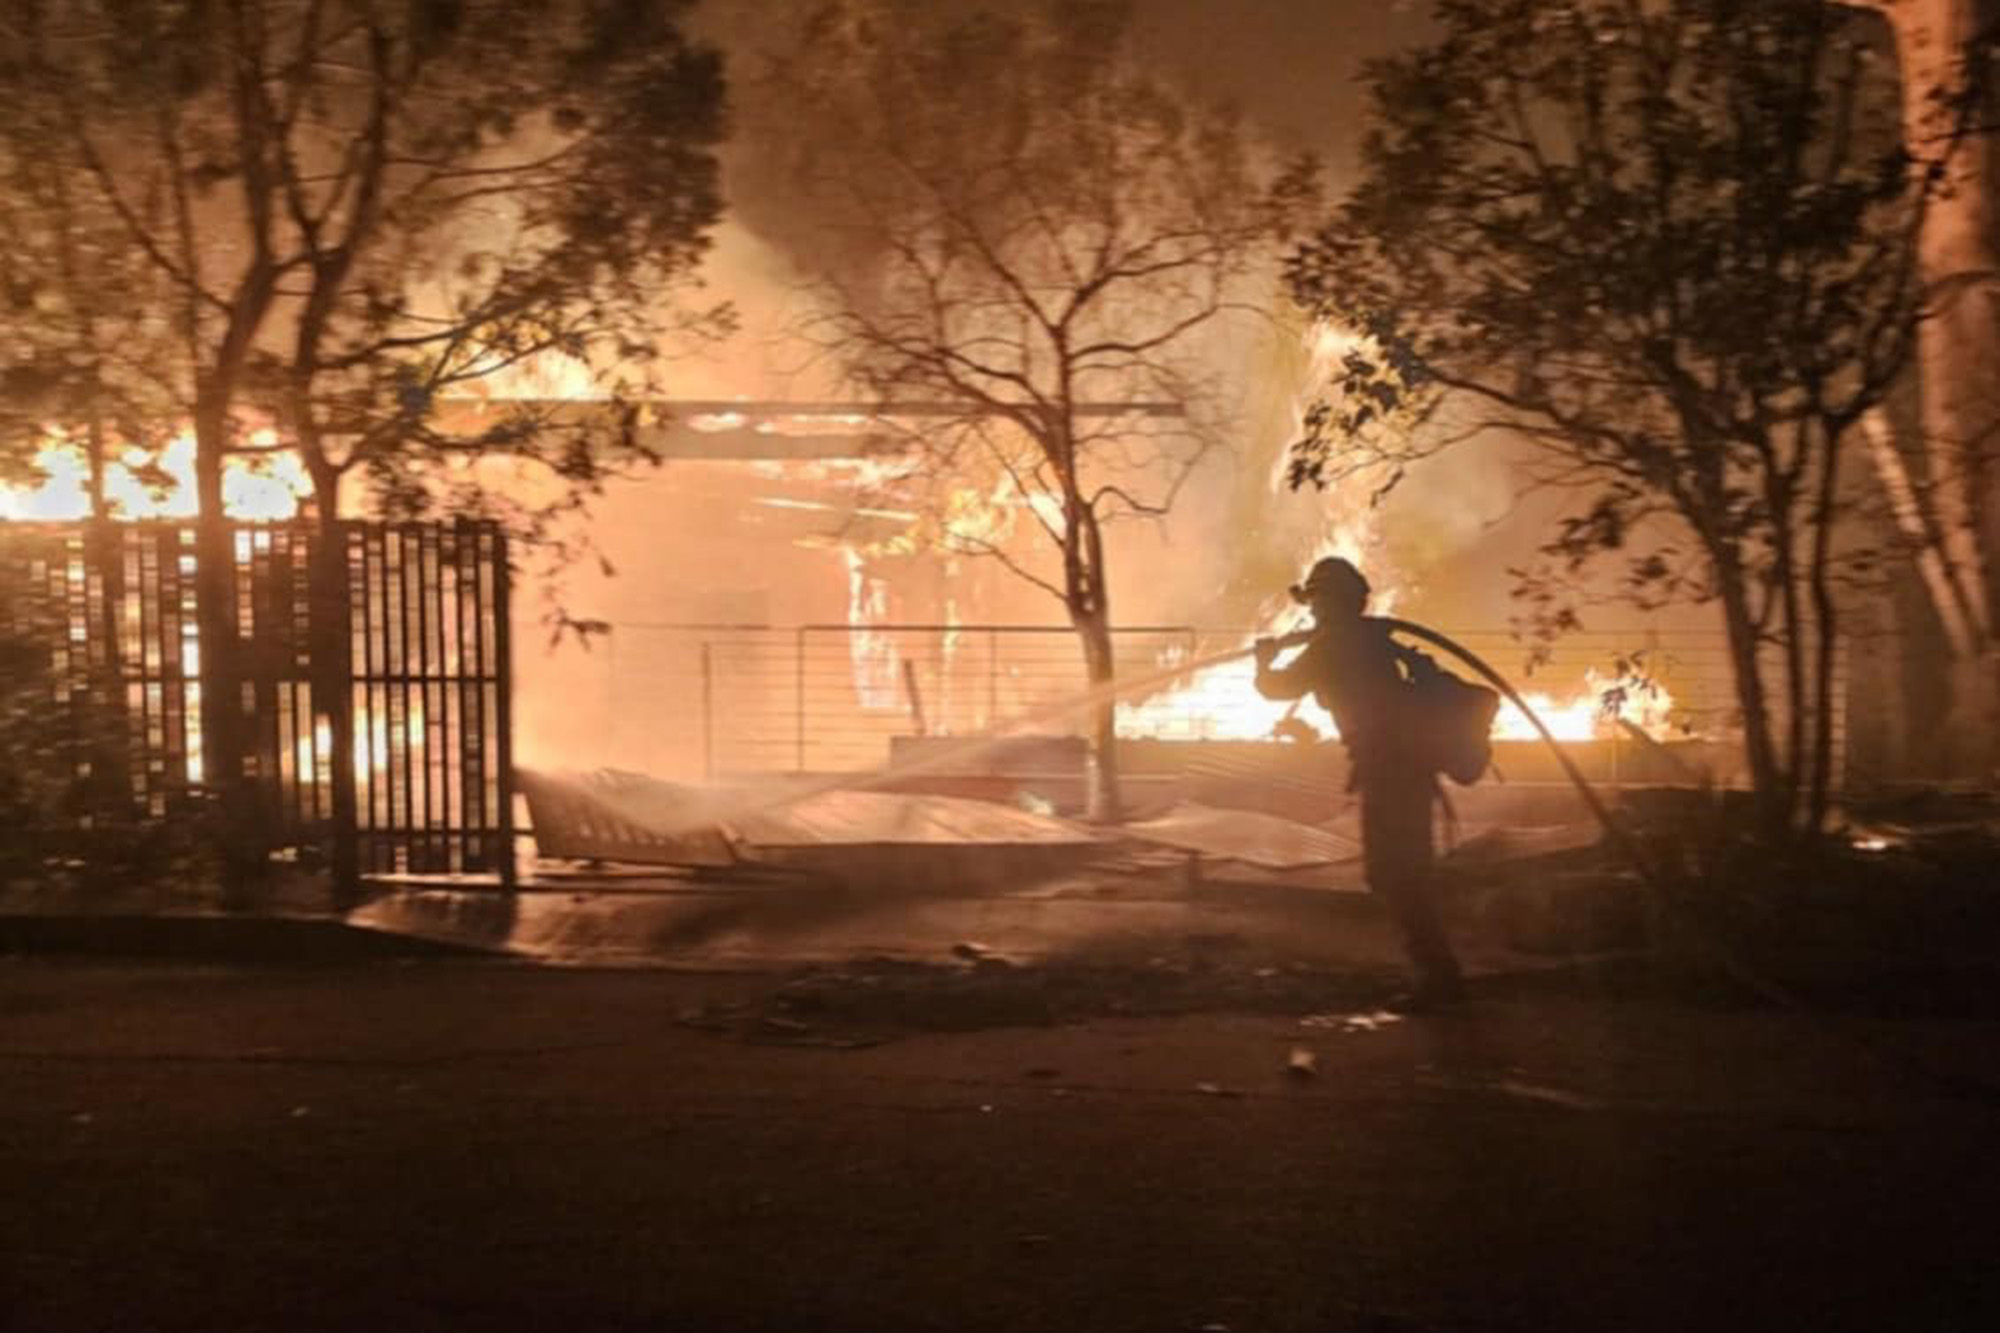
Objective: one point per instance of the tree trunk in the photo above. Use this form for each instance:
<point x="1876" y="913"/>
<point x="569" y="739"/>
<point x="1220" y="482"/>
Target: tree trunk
<point x="1957" y="603"/>
<point x="1826" y="625"/>
<point x="1767" y="780"/>
<point x="1958" y="344"/>
<point x="215" y="619"/>
<point x="1090" y="613"/>
<point x="110" y="752"/>
<point x="1105" y="798"/>
<point x="1798" y="705"/>
<point x="332" y="654"/>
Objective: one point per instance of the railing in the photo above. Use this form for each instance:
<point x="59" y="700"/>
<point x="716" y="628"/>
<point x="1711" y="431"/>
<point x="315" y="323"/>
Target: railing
<point x="425" y="609"/>
<point x="705" y="701"/>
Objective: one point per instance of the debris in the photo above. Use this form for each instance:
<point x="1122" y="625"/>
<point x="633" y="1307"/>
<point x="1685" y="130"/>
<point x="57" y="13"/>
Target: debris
<point x="1035" y="803"/>
<point x="778" y="1023"/>
<point x="1553" y="1096"/>
<point x="1302" y="1063"/>
<point x="301" y="1112"/>
<point x="720" y="1018"/>
<point x="82" y="1118"/>
<point x="1245" y="837"/>
<point x="1216" y="1090"/>
<point x="981" y="956"/>
<point x="1368" y="1022"/>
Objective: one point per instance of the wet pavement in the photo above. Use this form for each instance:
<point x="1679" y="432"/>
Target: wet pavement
<point x="388" y="1145"/>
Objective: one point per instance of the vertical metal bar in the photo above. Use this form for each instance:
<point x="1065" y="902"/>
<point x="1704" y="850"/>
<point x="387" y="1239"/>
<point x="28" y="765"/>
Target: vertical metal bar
<point x="362" y="653"/>
<point x="151" y="607"/>
<point x="408" y="594"/>
<point x="992" y="679"/>
<point x="481" y="630"/>
<point x="914" y="696"/>
<point x="74" y="624"/>
<point x="468" y="666"/>
<point x="179" y="724"/>
<point x="382" y="772"/>
<point x="388" y="835"/>
<point x="450" y="735"/>
<point x="799" y="699"/>
<point x="503" y="660"/>
<point x="436" y="852"/>
<point x="437" y="750"/>
<point x="707" y="711"/>
<point x="260" y="684"/>
<point x="420" y="814"/>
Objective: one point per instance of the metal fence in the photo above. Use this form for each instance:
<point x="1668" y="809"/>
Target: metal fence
<point x="709" y="700"/>
<point x="428" y="617"/>
<point x="424" y="611"/>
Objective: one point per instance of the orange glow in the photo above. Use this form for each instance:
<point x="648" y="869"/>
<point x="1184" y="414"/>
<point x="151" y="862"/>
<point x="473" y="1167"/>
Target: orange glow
<point x="264" y="486"/>
<point x="1222" y="704"/>
<point x="1596" y="710"/>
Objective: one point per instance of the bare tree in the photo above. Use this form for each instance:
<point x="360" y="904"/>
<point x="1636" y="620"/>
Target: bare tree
<point x="358" y="208"/>
<point x="1675" y="246"/>
<point x="1013" y="220"/>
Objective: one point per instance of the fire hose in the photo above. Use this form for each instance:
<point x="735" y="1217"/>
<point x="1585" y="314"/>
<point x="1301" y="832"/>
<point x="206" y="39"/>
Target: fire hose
<point x="1620" y="837"/>
<point x="1613" y="830"/>
<point x="1616" y="833"/>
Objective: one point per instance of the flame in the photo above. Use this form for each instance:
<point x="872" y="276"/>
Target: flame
<point x="547" y="375"/>
<point x="872" y="655"/>
<point x="1603" y="707"/>
<point x="1221" y="703"/>
<point x="139" y="483"/>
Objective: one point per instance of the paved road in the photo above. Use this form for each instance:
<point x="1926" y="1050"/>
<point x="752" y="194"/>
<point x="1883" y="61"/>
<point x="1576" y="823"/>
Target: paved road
<point x="453" y="1145"/>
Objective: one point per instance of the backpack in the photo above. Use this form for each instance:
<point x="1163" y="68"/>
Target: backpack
<point x="1450" y="720"/>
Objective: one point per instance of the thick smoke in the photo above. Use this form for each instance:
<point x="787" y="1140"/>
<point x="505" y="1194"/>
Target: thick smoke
<point x="695" y="543"/>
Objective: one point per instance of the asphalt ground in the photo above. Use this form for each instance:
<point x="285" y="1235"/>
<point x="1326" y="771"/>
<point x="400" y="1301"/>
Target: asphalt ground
<point x="384" y="1144"/>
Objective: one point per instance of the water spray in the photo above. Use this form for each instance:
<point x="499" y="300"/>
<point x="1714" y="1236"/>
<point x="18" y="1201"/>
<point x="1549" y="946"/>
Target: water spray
<point x="1616" y="833"/>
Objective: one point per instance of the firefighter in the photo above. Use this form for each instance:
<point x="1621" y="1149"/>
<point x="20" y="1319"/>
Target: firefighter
<point x="1361" y="676"/>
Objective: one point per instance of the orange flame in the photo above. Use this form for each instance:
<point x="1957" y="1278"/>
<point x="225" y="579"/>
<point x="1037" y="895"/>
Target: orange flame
<point x="1221" y="703"/>
<point x="266" y="485"/>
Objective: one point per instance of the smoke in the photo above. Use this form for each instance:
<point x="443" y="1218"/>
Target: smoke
<point x="1291" y="69"/>
<point x="700" y="542"/>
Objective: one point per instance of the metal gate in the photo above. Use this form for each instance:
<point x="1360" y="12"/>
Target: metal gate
<point x="427" y="677"/>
